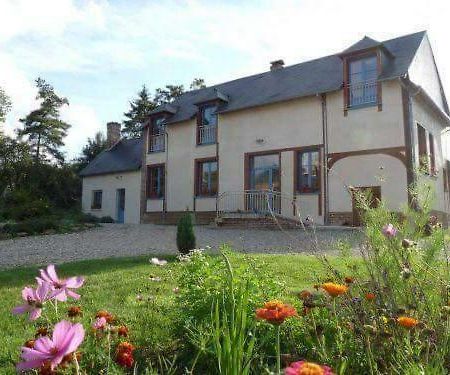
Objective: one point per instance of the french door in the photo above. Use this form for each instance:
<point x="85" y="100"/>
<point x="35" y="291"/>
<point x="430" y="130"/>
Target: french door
<point x="265" y="181"/>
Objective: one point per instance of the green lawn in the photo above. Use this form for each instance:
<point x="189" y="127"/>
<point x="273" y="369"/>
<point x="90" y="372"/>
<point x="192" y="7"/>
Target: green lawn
<point x="114" y="284"/>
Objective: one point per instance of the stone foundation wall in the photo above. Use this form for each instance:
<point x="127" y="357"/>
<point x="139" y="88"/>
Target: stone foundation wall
<point x="171" y="218"/>
<point x="340" y="218"/>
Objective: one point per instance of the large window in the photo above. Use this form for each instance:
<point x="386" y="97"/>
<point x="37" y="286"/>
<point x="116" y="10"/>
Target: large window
<point x="423" y="148"/>
<point x="433" y="169"/>
<point x="156" y="135"/>
<point x="207" y="125"/>
<point x="308" y="171"/>
<point x="96" y="200"/>
<point x="207" y="180"/>
<point x="155" y="182"/>
<point x="362" y="80"/>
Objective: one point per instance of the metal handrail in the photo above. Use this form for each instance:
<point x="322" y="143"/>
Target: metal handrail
<point x="261" y="202"/>
<point x="363" y="93"/>
<point x="207" y="134"/>
<point x="157" y="142"/>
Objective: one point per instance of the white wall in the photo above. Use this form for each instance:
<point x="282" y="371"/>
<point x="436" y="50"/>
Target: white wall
<point x="423" y="115"/>
<point x="368" y="170"/>
<point x="130" y="181"/>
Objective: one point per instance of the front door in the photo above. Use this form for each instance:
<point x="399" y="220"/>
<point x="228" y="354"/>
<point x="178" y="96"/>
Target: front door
<point x="120" y="205"/>
<point x="372" y="194"/>
<point x="264" y="180"/>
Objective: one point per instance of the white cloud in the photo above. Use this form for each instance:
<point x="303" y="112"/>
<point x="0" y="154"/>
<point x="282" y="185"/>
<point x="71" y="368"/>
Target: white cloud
<point x="85" y="123"/>
<point x="99" y="37"/>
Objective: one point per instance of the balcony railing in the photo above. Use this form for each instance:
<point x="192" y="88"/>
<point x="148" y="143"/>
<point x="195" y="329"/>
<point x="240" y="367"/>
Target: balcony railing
<point x="259" y="202"/>
<point x="363" y="93"/>
<point x="157" y="143"/>
<point x="207" y="134"/>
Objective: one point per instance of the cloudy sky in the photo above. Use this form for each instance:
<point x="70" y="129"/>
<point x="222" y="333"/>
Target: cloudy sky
<point x="99" y="53"/>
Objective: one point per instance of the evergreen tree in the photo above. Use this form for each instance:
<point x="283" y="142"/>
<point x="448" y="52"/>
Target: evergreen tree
<point x="197" y="83"/>
<point x="90" y="151"/>
<point x="185" y="234"/>
<point x="43" y="127"/>
<point x="5" y="105"/>
<point x="138" y="114"/>
<point x="167" y="94"/>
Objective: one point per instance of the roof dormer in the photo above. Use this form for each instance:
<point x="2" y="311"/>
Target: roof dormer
<point x="363" y="64"/>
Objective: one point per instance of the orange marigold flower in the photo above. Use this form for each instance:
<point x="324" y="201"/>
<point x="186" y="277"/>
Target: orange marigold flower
<point x="105" y="314"/>
<point x="305" y="294"/>
<point x="307" y="368"/>
<point x="349" y="280"/>
<point x="125" y="347"/>
<point x="335" y="290"/>
<point x="29" y="344"/>
<point x="122" y="331"/>
<point x="125" y="359"/>
<point x="370" y="296"/>
<point x="74" y="311"/>
<point x="275" y="312"/>
<point x="407" y="322"/>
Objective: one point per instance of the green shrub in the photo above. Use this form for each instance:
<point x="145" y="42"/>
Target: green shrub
<point x="31" y="226"/>
<point x="89" y="218"/>
<point x="21" y="205"/>
<point x="106" y="219"/>
<point x="185" y="234"/>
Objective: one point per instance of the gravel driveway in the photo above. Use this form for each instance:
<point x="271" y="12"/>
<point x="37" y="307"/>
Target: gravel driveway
<point x="114" y="240"/>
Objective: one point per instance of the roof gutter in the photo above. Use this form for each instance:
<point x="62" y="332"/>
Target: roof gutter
<point x="417" y="90"/>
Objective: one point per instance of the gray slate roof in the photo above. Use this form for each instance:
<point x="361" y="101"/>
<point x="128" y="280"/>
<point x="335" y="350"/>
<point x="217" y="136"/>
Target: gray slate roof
<point x="364" y="43"/>
<point x="308" y="78"/>
<point x="125" y="156"/>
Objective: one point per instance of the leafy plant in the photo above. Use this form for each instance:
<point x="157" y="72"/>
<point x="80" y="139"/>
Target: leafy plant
<point x="233" y="338"/>
<point x="185" y="234"/>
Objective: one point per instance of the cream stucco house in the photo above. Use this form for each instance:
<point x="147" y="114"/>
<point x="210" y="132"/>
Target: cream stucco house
<point x="289" y="142"/>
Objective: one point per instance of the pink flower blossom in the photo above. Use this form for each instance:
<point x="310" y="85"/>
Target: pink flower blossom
<point x="303" y="367"/>
<point x="67" y="337"/>
<point x="99" y="323"/>
<point x="389" y="230"/>
<point x="63" y="285"/>
<point x="35" y="299"/>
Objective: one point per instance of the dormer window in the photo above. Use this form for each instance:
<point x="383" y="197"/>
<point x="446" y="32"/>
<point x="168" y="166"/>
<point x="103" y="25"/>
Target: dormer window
<point x="362" y="81"/>
<point x="207" y="125"/>
<point x="157" y="134"/>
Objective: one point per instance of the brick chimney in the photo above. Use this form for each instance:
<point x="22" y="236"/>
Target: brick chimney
<point x="112" y="133"/>
<point x="276" y="65"/>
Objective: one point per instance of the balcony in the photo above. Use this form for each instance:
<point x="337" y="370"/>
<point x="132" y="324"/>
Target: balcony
<point x="206" y="134"/>
<point x="363" y="93"/>
<point x="156" y="143"/>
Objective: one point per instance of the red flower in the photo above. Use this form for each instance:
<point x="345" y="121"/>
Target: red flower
<point x="125" y="359"/>
<point x="370" y="296"/>
<point x="74" y="311"/>
<point x="105" y="314"/>
<point x="122" y="331"/>
<point x="275" y="312"/>
<point x="125" y="347"/>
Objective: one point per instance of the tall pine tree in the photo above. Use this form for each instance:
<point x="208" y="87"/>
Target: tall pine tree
<point x="5" y="105"/>
<point x="90" y="151"/>
<point x="43" y="127"/>
<point x="138" y="114"/>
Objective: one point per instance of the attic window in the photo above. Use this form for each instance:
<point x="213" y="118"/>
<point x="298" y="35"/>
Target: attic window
<point x="362" y="81"/>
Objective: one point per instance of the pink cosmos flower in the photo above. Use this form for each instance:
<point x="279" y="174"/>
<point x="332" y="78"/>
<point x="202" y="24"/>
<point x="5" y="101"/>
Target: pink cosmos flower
<point x="63" y="285"/>
<point x="99" y="323"/>
<point x="67" y="337"/>
<point x="389" y="230"/>
<point x="307" y="368"/>
<point x="35" y="299"/>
